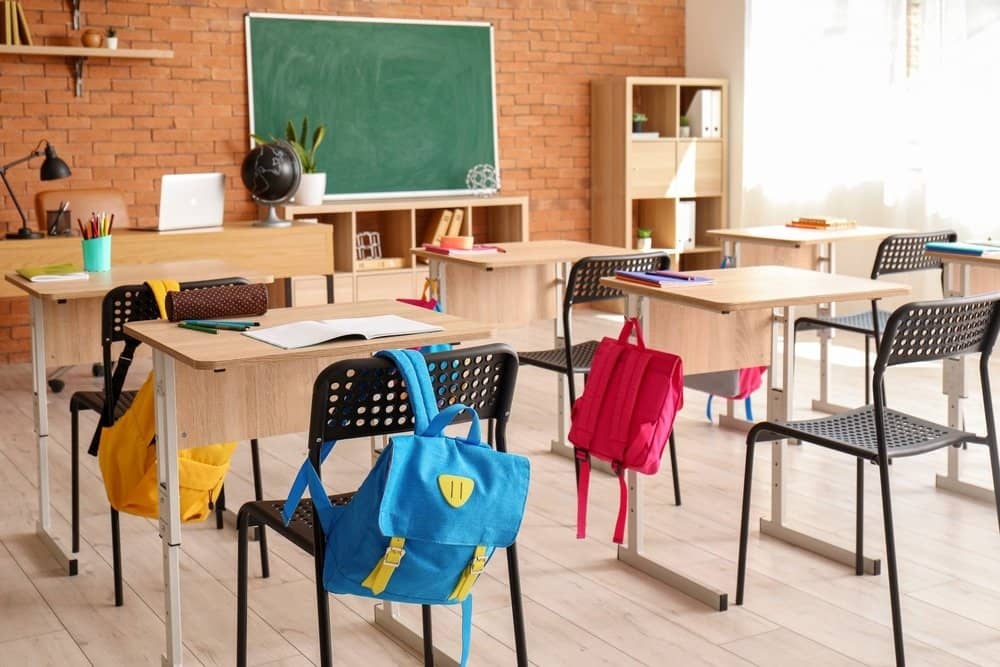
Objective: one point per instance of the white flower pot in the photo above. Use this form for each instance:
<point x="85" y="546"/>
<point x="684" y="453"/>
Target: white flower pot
<point x="644" y="244"/>
<point x="312" y="187"/>
<point x="685" y="130"/>
<point x="111" y="42"/>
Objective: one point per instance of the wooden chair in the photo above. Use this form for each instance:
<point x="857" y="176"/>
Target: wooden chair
<point x="359" y="398"/>
<point x="584" y="286"/>
<point x="82" y="202"/>
<point x="916" y="332"/>
<point x="124" y="304"/>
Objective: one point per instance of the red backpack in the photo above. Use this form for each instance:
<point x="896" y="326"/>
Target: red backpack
<point x="625" y="415"/>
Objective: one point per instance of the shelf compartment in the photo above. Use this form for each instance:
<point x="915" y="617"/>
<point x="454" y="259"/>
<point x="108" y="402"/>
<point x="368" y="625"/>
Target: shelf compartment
<point x="660" y="105"/>
<point x="496" y="224"/>
<point x="426" y="221"/>
<point x="395" y="230"/>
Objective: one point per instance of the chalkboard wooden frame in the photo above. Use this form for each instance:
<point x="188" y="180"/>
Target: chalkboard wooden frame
<point x="428" y="167"/>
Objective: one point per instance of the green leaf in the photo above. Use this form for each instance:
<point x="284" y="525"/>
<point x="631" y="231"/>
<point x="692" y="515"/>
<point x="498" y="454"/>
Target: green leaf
<point x="290" y="132"/>
<point x="305" y="130"/>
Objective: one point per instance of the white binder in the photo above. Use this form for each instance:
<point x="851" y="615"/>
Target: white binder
<point x="684" y="225"/>
<point x="705" y="113"/>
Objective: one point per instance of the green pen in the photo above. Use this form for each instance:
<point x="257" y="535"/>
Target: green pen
<point x="227" y="326"/>
<point x="195" y="327"/>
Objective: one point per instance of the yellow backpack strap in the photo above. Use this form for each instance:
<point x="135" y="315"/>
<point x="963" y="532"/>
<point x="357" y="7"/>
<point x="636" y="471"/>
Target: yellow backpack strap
<point x="160" y="289"/>
<point x="469" y="574"/>
<point x="379" y="577"/>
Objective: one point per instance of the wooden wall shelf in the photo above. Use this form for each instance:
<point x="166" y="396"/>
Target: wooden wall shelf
<point x="79" y="55"/>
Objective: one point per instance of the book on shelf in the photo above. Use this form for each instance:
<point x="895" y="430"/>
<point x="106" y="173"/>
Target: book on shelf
<point x="455" y="228"/>
<point x="438" y="226"/>
<point x="705" y="113"/>
<point x="976" y="248"/>
<point x="306" y="333"/>
<point x="662" y="278"/>
<point x="822" y="223"/>
<point x="52" y="273"/>
<point x="478" y="249"/>
<point x="645" y="136"/>
<point x="22" y="23"/>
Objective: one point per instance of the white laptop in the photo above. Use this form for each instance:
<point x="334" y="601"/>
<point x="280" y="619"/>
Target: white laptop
<point x="191" y="202"/>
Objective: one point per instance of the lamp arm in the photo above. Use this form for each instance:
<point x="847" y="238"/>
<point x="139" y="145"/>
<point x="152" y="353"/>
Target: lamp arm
<point x="32" y="154"/>
<point x="3" y="177"/>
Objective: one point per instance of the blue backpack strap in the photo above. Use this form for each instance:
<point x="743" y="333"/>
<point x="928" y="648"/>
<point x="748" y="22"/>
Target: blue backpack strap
<point x="307" y="476"/>
<point x="466" y="629"/>
<point x="413" y="367"/>
<point x="443" y="418"/>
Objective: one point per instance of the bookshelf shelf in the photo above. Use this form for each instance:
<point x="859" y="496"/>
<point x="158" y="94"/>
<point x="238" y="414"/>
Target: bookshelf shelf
<point x="664" y="183"/>
<point x="79" y="54"/>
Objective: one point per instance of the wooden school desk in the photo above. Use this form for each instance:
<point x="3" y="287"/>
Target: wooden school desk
<point x="522" y="284"/>
<point x="806" y="249"/>
<point x="963" y="275"/>
<point x="738" y="320"/>
<point x="66" y="330"/>
<point x="232" y="387"/>
<point x="300" y="250"/>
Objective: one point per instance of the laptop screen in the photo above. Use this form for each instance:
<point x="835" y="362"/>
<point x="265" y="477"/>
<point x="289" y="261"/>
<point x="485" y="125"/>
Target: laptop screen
<point x="191" y="201"/>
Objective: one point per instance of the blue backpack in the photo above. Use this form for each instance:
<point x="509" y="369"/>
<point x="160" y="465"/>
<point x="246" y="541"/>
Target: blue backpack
<point x="430" y="513"/>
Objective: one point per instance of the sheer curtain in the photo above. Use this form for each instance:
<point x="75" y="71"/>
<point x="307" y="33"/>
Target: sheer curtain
<point x="838" y="120"/>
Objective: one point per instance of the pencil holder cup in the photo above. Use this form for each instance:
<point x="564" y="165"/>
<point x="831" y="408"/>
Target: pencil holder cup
<point x="97" y="254"/>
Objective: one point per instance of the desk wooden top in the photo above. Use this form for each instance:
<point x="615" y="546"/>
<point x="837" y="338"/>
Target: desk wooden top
<point x="991" y="261"/>
<point x="101" y="283"/>
<point x="782" y="235"/>
<point x="230" y="348"/>
<point x="302" y="249"/>
<point x="757" y="287"/>
<point x="527" y="253"/>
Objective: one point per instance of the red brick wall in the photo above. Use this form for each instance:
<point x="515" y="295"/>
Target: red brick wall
<point x="138" y="119"/>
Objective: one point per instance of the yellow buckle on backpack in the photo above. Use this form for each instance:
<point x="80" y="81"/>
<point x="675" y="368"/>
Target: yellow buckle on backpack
<point x="379" y="577"/>
<point x="469" y="574"/>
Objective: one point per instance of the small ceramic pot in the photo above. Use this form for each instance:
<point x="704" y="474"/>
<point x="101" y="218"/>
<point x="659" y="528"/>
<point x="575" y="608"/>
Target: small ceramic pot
<point x="685" y="130"/>
<point x="637" y="125"/>
<point x="92" y="38"/>
<point x="644" y="243"/>
<point x="111" y="42"/>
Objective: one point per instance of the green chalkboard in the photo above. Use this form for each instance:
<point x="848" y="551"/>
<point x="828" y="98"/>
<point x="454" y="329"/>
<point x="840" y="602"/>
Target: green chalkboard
<point x="409" y="106"/>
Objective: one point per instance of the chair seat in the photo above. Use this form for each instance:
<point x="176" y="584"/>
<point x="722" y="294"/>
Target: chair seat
<point x="858" y="322"/>
<point x="300" y="529"/>
<point x="582" y="355"/>
<point x="94" y="400"/>
<point x="854" y="433"/>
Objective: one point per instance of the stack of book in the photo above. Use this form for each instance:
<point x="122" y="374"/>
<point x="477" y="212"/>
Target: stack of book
<point x="13" y="26"/>
<point x="662" y="278"/>
<point x="822" y="223"/>
<point x="478" y="249"/>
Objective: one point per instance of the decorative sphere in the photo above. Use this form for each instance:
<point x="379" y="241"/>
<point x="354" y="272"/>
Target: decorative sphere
<point x="271" y="172"/>
<point x="482" y="180"/>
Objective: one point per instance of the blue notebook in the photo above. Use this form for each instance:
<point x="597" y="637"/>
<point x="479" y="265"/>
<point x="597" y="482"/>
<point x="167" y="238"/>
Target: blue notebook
<point x="660" y="278"/>
<point x="979" y="248"/>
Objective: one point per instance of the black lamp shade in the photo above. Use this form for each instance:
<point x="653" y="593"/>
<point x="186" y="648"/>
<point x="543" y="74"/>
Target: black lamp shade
<point x="53" y="168"/>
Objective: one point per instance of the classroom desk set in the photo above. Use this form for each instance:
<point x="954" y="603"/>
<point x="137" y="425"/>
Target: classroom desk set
<point x="230" y="387"/>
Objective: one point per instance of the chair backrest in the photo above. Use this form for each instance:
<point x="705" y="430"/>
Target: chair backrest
<point x="902" y="253"/>
<point x="82" y="202"/>
<point x="360" y="398"/>
<point x="584" y="282"/>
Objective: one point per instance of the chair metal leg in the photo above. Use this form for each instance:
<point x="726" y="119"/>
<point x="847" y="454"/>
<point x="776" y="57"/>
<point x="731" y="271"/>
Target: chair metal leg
<point x="258" y="494"/>
<point x="74" y="482"/>
<point x="517" y="606"/>
<point x="859" y="520"/>
<point x="674" y="471"/>
<point x="242" y="601"/>
<point x="868" y="371"/>
<point x="741" y="572"/>
<point x="116" y="557"/>
<point x="995" y="468"/>
<point x="322" y="611"/>
<point x="220" y="507"/>
<point x="890" y="553"/>
<point x="425" y="618"/>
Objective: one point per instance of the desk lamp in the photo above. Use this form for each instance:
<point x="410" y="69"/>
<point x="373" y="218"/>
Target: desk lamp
<point x="53" y="168"/>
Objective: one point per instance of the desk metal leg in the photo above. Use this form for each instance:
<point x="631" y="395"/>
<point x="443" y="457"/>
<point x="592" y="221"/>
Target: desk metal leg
<point x="955" y="389"/>
<point x="43" y="527"/>
<point x="168" y="485"/>
<point x="827" y="263"/>
<point x="779" y="407"/>
<point x="630" y="553"/>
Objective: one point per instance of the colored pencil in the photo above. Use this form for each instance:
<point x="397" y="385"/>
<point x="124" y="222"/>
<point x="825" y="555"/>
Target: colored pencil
<point x="208" y="323"/>
<point x="195" y="327"/>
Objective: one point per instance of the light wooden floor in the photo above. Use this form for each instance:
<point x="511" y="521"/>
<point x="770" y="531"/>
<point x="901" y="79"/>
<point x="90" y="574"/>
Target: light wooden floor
<point x="582" y="606"/>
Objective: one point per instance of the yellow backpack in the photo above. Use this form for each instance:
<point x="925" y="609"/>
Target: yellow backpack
<point x="127" y="454"/>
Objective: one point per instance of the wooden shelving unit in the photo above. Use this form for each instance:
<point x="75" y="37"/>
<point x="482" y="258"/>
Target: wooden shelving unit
<point x="637" y="183"/>
<point x="79" y="54"/>
<point x="402" y="224"/>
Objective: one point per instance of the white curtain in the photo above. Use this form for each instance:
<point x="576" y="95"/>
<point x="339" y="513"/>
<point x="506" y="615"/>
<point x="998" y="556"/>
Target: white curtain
<point x="835" y="124"/>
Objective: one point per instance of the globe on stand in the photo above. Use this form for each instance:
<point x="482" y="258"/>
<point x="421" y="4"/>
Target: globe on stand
<point x="271" y="172"/>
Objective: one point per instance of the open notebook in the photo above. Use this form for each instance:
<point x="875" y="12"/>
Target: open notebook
<point x="313" y="332"/>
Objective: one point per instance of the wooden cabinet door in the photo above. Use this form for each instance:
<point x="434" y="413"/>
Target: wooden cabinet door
<point x="699" y="169"/>
<point x="652" y="168"/>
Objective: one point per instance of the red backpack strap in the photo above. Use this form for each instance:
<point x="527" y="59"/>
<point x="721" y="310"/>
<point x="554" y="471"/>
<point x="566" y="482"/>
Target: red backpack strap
<point x="622" y="503"/>
<point x="582" y="491"/>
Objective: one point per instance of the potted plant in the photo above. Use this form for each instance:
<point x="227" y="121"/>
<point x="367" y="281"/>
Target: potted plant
<point x="638" y="119"/>
<point x="685" y="124"/>
<point x="312" y="185"/>
<point x="112" y="38"/>
<point x="644" y="239"/>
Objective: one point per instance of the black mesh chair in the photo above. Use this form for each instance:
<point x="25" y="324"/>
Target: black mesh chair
<point x="584" y="286"/>
<point x="124" y="304"/>
<point x="899" y="253"/>
<point x="923" y="331"/>
<point x="360" y="398"/>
